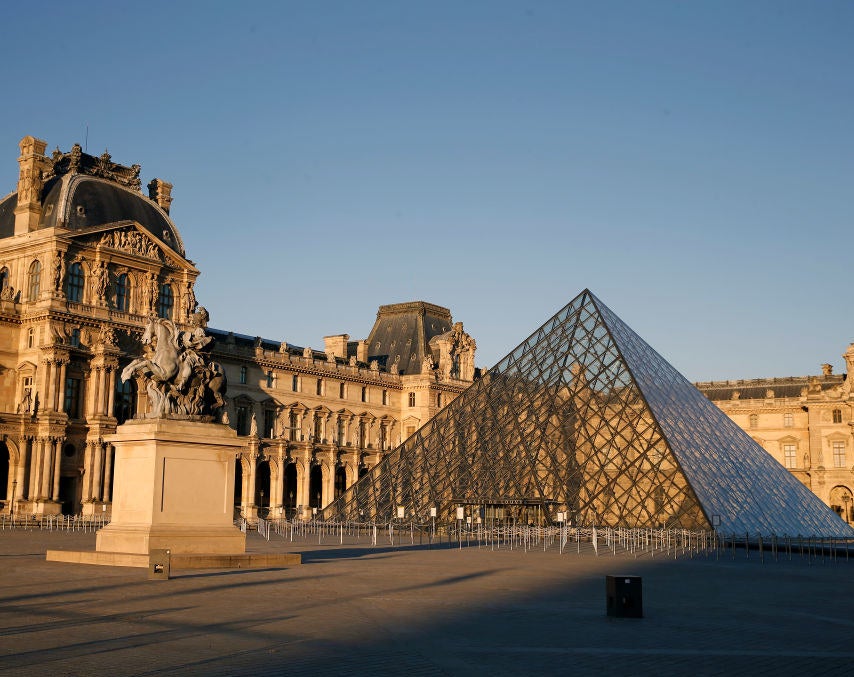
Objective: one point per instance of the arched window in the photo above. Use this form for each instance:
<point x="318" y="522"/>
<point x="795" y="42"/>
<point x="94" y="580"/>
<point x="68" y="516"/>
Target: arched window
<point x="4" y="278"/>
<point x="74" y="283"/>
<point x="165" y="302"/>
<point x="837" y="415"/>
<point x="34" y="281"/>
<point x="123" y="293"/>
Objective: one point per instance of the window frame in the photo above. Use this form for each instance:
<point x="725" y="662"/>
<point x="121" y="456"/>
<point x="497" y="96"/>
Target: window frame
<point x="34" y="277"/>
<point x="122" y="298"/>
<point x="75" y="282"/>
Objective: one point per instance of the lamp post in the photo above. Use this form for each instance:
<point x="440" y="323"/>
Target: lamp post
<point x="12" y="504"/>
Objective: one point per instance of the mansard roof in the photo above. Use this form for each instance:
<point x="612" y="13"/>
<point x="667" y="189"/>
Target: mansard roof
<point x="402" y="332"/>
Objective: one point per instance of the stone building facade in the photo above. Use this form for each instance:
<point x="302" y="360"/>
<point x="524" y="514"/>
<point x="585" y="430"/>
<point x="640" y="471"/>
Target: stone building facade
<point x="806" y="423"/>
<point x="86" y="258"/>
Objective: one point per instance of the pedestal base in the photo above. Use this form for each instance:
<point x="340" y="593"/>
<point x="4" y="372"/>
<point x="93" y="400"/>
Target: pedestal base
<point x="142" y="539"/>
<point x="174" y="489"/>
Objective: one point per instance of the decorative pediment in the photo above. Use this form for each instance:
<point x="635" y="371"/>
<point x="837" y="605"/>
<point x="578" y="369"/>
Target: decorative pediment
<point x="132" y="241"/>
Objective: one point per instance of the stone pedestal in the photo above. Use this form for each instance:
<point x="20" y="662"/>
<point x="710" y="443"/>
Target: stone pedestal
<point x="173" y="489"/>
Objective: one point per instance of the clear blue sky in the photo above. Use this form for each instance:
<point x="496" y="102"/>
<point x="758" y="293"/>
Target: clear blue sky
<point x="691" y="163"/>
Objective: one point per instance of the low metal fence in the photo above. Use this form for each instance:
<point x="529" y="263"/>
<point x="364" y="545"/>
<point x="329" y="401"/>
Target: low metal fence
<point x="88" y="523"/>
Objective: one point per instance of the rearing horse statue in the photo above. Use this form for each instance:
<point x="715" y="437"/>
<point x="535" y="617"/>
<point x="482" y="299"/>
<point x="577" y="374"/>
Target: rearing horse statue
<point x="160" y="369"/>
<point x="179" y="376"/>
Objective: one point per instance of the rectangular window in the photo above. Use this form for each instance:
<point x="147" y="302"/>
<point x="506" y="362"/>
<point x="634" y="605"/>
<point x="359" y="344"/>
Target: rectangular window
<point x="31" y="337"/>
<point x="410" y="430"/>
<point x="269" y="423"/>
<point x="788" y="420"/>
<point x="839" y="454"/>
<point x="754" y="420"/>
<point x="294" y="427"/>
<point x="242" y="420"/>
<point x="364" y="394"/>
<point x="319" y="389"/>
<point x="385" y="396"/>
<point x="341" y="391"/>
<point x="837" y="416"/>
<point x="411" y="399"/>
<point x="789" y="456"/>
<point x="295" y="383"/>
<point x="439" y="400"/>
<point x="72" y="397"/>
<point x="271" y="379"/>
<point x="243" y="374"/>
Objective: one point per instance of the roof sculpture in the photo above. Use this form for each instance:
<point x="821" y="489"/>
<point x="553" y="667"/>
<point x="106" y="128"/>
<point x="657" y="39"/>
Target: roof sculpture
<point x="585" y="417"/>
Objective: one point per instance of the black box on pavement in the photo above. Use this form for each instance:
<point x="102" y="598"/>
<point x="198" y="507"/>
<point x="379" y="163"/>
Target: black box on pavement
<point x="624" y="595"/>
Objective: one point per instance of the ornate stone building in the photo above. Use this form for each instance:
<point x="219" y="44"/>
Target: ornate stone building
<point x="806" y="423"/>
<point x="86" y="258"/>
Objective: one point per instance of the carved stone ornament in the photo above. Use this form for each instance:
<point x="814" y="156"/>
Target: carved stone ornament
<point x="178" y="374"/>
<point x="133" y="242"/>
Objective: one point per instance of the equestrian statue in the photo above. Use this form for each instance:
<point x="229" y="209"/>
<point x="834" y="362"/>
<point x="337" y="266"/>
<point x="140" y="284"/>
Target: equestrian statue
<point x="180" y="378"/>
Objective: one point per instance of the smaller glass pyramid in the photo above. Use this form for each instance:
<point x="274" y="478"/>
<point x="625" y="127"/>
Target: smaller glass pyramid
<point x="585" y="417"/>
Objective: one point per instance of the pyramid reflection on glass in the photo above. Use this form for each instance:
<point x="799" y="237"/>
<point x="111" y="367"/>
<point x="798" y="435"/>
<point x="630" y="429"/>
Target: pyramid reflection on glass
<point x="585" y="417"/>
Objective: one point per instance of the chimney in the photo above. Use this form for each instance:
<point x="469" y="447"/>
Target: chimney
<point x="31" y="163"/>
<point x="161" y="192"/>
<point x="362" y="350"/>
<point x="336" y="345"/>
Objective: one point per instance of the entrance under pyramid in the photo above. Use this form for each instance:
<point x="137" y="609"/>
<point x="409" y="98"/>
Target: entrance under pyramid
<point x="585" y="420"/>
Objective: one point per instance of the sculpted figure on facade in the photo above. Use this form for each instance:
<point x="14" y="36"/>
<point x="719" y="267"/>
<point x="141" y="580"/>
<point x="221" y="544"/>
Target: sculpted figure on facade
<point x="152" y="292"/>
<point x="57" y="271"/>
<point x="180" y="378"/>
<point x="190" y="300"/>
<point x="7" y="293"/>
<point x="100" y="280"/>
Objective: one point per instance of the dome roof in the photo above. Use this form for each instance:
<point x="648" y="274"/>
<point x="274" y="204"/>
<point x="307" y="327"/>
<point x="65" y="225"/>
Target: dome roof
<point x="81" y="201"/>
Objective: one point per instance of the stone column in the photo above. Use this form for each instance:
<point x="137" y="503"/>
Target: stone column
<point x="102" y="399"/>
<point x="21" y="469"/>
<point x="48" y="385"/>
<point x="44" y="490"/>
<point x="97" y="449"/>
<point x="57" y="459"/>
<point x="96" y="390"/>
<point x="108" y="466"/>
<point x="303" y="483"/>
<point x="111" y="399"/>
<point x="61" y="405"/>
<point x="88" y="455"/>
<point x="33" y="490"/>
<point x="275" y="488"/>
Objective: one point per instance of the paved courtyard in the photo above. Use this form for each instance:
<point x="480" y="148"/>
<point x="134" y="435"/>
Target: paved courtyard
<point x="357" y="610"/>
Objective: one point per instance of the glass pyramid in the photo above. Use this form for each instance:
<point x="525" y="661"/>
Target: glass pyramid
<point x="585" y="417"/>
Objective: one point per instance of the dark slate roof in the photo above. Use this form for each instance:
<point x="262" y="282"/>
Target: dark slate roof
<point x="756" y="389"/>
<point x="7" y="215"/>
<point x="402" y="332"/>
<point x="78" y="201"/>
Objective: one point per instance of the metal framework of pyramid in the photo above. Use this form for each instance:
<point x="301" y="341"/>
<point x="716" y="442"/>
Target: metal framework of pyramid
<point x="585" y="417"/>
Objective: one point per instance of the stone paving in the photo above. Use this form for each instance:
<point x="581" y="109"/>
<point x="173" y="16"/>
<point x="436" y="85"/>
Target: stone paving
<point x="357" y="610"/>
